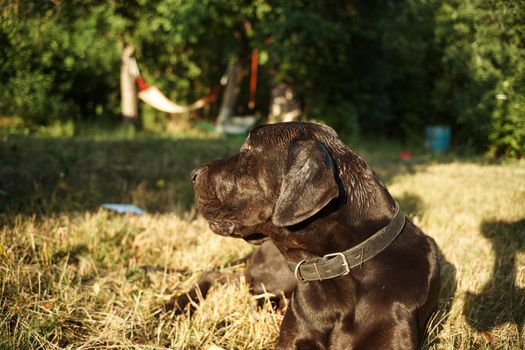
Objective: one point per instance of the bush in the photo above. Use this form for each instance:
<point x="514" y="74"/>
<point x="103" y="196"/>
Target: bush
<point x="57" y="65"/>
<point x="377" y="67"/>
<point x="481" y="85"/>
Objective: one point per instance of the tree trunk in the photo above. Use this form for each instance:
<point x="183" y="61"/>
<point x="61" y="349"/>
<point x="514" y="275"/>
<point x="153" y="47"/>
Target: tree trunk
<point x="284" y="107"/>
<point x="231" y="93"/>
<point x="128" y="90"/>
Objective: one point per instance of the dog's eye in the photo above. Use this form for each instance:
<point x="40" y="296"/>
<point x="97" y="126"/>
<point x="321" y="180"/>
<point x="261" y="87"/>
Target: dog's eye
<point x="246" y="147"/>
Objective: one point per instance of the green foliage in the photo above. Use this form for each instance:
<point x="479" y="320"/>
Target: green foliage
<point x="310" y="49"/>
<point x="374" y="67"/>
<point x="56" y="65"/>
<point x="26" y="85"/>
<point x="176" y="48"/>
<point x="481" y="87"/>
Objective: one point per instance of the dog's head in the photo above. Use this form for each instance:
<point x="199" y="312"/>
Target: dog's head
<point x="283" y="175"/>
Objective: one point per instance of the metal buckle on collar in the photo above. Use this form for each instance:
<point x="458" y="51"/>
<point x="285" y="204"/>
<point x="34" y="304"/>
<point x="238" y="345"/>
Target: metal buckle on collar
<point x="345" y="262"/>
<point x="297" y="271"/>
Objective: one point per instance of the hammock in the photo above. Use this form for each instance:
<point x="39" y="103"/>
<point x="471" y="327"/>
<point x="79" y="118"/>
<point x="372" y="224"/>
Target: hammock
<point x="156" y="99"/>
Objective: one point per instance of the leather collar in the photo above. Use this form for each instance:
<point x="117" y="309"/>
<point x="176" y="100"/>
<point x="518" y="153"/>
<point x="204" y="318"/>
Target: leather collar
<point x="339" y="264"/>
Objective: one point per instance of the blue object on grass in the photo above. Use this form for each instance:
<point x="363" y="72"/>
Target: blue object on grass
<point x="437" y="138"/>
<point x="124" y="208"/>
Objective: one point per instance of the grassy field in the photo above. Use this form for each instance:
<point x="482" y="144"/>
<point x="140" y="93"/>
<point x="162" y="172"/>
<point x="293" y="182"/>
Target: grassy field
<point x="75" y="276"/>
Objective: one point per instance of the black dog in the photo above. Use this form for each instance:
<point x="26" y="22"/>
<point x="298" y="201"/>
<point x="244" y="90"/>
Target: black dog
<point x="369" y="278"/>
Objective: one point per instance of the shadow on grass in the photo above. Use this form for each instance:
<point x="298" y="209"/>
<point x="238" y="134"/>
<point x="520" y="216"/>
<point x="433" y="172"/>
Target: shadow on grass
<point x="53" y="175"/>
<point x="501" y="300"/>
<point x="44" y="175"/>
<point x="413" y="205"/>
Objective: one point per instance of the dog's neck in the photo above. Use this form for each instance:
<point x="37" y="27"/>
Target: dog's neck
<point x="344" y="223"/>
<point x="363" y="207"/>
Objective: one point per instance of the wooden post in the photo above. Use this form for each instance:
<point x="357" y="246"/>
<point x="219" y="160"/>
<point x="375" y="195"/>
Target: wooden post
<point x="231" y="93"/>
<point x="128" y="90"/>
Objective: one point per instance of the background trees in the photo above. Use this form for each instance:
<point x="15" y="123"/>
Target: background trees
<point x="376" y="67"/>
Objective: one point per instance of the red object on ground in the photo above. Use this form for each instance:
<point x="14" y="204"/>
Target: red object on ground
<point x="405" y="155"/>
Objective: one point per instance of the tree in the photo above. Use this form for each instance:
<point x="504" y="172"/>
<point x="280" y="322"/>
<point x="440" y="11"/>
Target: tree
<point x="128" y="90"/>
<point x="363" y="66"/>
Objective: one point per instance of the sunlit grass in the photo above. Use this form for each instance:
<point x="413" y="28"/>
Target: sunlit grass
<point x="72" y="276"/>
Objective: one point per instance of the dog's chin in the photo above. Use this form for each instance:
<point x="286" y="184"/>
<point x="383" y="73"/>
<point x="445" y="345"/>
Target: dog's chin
<point x="224" y="229"/>
<point x="256" y="238"/>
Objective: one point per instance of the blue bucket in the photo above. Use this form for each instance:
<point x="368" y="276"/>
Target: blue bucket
<point x="437" y="138"/>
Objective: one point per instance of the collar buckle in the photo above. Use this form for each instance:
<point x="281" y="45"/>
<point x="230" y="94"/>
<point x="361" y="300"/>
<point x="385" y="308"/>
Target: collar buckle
<point x="297" y="271"/>
<point x="345" y="263"/>
<point x="318" y="269"/>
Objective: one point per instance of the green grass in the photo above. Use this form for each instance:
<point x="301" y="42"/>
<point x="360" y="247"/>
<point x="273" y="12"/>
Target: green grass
<point x="71" y="274"/>
<point x="43" y="175"/>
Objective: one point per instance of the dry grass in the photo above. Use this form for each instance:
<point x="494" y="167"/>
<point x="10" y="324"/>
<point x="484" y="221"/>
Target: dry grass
<point x="78" y="281"/>
<point x="476" y="213"/>
<point x="74" y="278"/>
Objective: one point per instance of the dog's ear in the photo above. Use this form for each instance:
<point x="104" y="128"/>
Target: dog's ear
<point x="308" y="183"/>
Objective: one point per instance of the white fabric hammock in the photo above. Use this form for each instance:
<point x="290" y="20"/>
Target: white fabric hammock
<point x="156" y="99"/>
